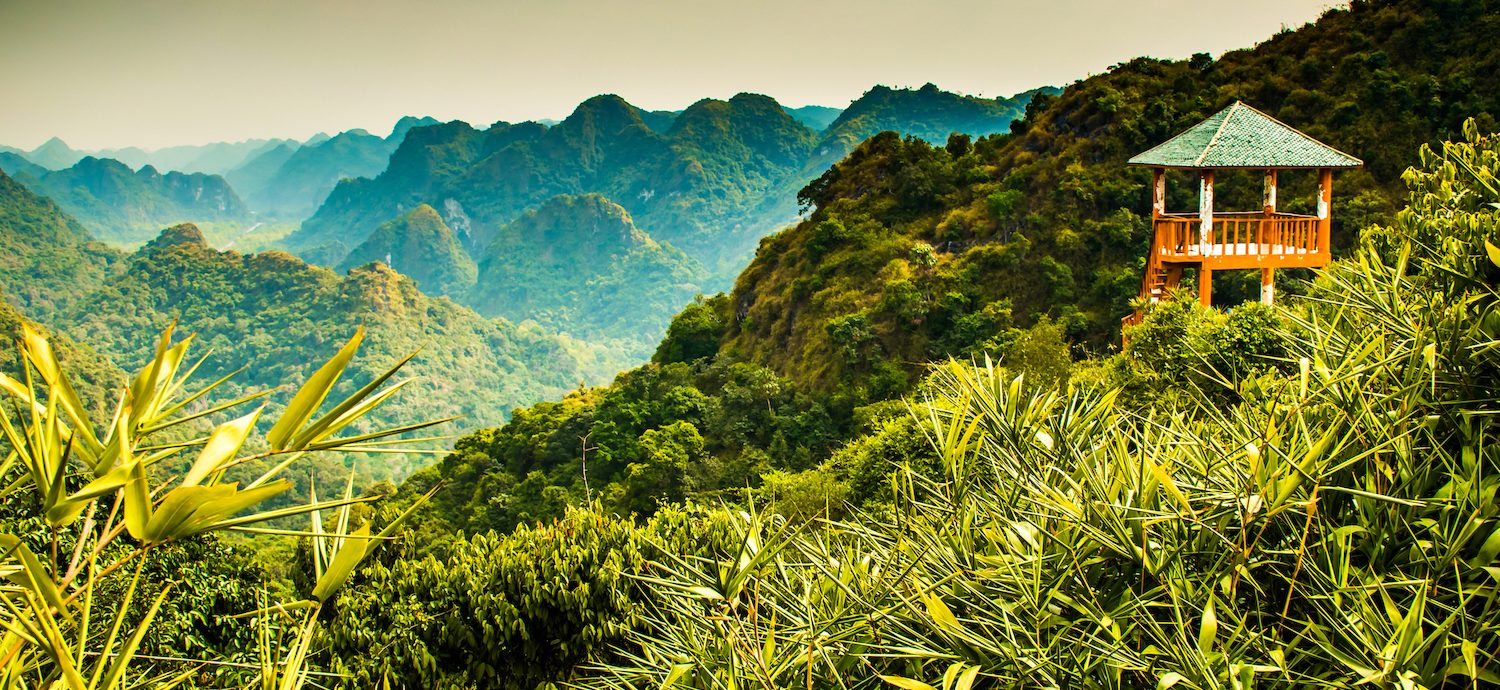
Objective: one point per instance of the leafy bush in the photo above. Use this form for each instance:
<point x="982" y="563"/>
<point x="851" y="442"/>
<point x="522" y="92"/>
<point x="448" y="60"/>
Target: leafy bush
<point x="513" y="611"/>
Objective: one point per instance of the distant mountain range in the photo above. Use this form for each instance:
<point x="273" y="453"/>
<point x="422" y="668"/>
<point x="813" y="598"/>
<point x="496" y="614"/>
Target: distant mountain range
<point x="290" y="181"/>
<point x="561" y="224"/>
<point x="126" y="207"/>
<point x="711" y="180"/>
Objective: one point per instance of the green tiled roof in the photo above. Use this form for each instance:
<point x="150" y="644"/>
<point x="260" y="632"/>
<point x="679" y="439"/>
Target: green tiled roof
<point x="1242" y="137"/>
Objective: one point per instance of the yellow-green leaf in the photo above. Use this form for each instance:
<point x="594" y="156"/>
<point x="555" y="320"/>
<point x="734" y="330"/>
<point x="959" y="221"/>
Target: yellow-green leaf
<point x="312" y="393"/>
<point x="1208" y="629"/>
<point x="36" y="577"/>
<point x="137" y="502"/>
<point x="356" y="546"/>
<point x="940" y="612"/>
<point x="226" y="440"/>
<point x="907" y="683"/>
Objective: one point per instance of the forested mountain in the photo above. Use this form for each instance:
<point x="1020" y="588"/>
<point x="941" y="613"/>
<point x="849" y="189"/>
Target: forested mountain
<point x="47" y="260"/>
<point x="927" y="113"/>
<point x="291" y="181"/>
<point x="918" y="252"/>
<point x="1015" y="246"/>
<point x="272" y="313"/>
<point x="126" y="207"/>
<point x="579" y="264"/>
<point x="422" y="247"/>
<point x="902" y="451"/>
<point x="816" y="117"/>
<point x="711" y="180"/>
<point x="671" y="182"/>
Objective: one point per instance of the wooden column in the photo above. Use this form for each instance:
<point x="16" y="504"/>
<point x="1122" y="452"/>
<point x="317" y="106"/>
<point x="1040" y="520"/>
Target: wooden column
<point x="1158" y="192"/>
<point x="1325" y="200"/>
<point x="1205" y="235"/>
<point x="1269" y="204"/>
<point x="1267" y="236"/>
<point x="1205" y="211"/>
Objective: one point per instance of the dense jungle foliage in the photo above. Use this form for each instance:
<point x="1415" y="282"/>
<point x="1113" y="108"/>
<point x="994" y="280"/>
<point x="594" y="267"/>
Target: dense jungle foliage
<point x="270" y="312"/>
<point x="915" y="253"/>
<point x="1317" y="514"/>
<point x="1304" y="498"/>
<point x="902" y="453"/>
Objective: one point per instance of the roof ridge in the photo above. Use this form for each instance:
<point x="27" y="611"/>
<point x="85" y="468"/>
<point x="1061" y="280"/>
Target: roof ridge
<point x="1215" y="139"/>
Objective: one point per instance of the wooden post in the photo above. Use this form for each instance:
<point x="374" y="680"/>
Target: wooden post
<point x="1269" y="203"/>
<point x="1158" y="192"/>
<point x="1267" y="286"/>
<point x="1205" y="286"/>
<point x="1205" y="212"/>
<point x="1325" y="200"/>
<point x="1267" y="234"/>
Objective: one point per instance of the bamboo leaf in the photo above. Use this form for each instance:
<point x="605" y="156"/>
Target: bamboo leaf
<point x="321" y="428"/>
<point x="137" y="502"/>
<point x="966" y="681"/>
<point x="1208" y="629"/>
<point x="906" y="683"/>
<point x="221" y="447"/>
<point x="36" y="579"/>
<point x="312" y="393"/>
<point x="341" y="566"/>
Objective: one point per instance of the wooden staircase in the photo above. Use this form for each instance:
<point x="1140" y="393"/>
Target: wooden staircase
<point x="1158" y="278"/>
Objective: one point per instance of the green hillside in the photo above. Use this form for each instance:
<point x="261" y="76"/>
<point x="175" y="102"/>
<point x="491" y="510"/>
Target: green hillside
<point x="578" y="264"/>
<point x="420" y="246"/>
<point x="928" y="113"/>
<point x="271" y="313"/>
<point x="47" y="260"/>
<point x="1026" y="247"/>
<point x="918" y="252"/>
<point x="125" y="207"/>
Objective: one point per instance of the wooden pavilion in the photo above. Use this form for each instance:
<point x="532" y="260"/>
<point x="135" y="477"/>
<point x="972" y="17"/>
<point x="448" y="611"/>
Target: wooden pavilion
<point x="1236" y="138"/>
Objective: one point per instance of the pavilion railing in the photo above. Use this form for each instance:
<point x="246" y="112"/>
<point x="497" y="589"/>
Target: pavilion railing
<point x="1178" y="237"/>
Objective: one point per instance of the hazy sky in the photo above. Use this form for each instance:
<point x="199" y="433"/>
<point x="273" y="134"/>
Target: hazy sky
<point x="154" y="73"/>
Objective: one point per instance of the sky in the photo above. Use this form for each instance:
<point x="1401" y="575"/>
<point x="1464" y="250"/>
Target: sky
<point x="154" y="73"/>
